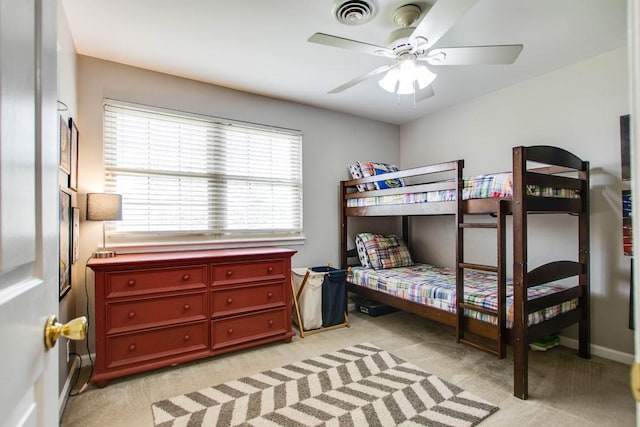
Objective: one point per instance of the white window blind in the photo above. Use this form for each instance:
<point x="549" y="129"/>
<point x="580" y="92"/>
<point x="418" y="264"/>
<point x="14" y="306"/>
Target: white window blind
<point x="186" y="174"/>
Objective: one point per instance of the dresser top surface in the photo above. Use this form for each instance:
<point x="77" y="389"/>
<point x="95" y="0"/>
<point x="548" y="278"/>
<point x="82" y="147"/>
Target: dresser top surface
<point x="192" y="256"/>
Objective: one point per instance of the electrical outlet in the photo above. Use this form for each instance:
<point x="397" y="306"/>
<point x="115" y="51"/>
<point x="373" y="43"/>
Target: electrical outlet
<point x="68" y="344"/>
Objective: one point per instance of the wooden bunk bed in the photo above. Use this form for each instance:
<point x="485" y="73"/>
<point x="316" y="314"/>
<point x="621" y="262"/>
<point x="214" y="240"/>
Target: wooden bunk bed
<point x="535" y="170"/>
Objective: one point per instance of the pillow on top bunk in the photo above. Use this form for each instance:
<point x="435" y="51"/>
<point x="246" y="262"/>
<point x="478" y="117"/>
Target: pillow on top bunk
<point x="385" y="251"/>
<point x="365" y="169"/>
<point x="356" y="173"/>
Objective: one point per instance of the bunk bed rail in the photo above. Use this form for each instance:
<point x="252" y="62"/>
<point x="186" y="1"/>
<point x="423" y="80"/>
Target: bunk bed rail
<point x="455" y="165"/>
<point x="420" y="180"/>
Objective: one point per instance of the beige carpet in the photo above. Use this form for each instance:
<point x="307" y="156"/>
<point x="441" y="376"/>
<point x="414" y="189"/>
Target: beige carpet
<point x="565" y="390"/>
<point x="358" y="385"/>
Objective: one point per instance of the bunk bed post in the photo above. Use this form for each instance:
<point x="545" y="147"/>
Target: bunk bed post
<point x="502" y="278"/>
<point x="459" y="218"/>
<point x="343" y="227"/>
<point x="405" y="232"/>
<point x="584" y="328"/>
<point x="520" y="339"/>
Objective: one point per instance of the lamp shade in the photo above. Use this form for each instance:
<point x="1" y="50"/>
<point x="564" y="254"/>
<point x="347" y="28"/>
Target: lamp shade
<point x="104" y="207"/>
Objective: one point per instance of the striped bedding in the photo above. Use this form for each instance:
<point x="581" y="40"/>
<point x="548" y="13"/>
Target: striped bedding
<point x="477" y="187"/>
<point x="436" y="287"/>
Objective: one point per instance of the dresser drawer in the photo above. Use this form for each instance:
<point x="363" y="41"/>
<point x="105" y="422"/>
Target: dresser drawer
<point x="136" y="282"/>
<point x="242" y="329"/>
<point x="252" y="271"/>
<point x="158" y="343"/>
<point x="152" y="312"/>
<point x="231" y="301"/>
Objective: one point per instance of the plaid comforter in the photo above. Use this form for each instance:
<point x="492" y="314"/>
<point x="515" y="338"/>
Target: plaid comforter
<point x="476" y="187"/>
<point x="436" y="287"/>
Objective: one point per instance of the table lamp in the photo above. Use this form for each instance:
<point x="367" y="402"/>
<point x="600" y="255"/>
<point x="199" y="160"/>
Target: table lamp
<point x="104" y="207"/>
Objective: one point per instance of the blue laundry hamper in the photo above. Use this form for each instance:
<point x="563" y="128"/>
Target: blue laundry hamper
<point x="334" y="295"/>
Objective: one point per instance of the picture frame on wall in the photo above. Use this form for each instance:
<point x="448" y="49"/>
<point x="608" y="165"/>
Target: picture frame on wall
<point x="75" y="236"/>
<point x="73" y="135"/>
<point x="625" y="147"/>
<point x="66" y="230"/>
<point x="65" y="147"/>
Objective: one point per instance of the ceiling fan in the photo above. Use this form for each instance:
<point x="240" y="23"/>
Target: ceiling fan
<point x="411" y="46"/>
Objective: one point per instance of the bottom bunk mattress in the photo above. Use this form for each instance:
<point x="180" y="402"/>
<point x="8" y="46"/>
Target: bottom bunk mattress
<point x="436" y="287"/>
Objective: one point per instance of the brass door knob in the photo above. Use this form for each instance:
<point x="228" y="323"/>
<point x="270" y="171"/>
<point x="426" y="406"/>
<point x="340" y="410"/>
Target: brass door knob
<point x="635" y="381"/>
<point x="75" y="329"/>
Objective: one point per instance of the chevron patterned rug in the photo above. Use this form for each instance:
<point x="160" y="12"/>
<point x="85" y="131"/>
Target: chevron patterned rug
<point x="356" y="386"/>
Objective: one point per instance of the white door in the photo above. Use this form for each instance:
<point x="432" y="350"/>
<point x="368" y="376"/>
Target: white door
<point x="633" y="13"/>
<point x="28" y="211"/>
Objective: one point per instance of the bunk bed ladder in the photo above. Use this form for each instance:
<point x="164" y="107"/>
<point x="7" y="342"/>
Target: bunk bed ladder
<point x="497" y="347"/>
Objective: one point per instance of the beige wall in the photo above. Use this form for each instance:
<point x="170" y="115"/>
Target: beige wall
<point x="330" y="141"/>
<point x="67" y="95"/>
<point x="576" y="108"/>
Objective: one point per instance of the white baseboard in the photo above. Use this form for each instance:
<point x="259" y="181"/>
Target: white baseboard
<point x="597" y="350"/>
<point x="64" y="394"/>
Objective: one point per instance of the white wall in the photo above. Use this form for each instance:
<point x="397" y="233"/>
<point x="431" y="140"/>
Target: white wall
<point x="330" y="141"/>
<point x="576" y="108"/>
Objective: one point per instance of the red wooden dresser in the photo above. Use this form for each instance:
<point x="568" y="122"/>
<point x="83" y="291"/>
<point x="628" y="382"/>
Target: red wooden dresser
<point x="159" y="309"/>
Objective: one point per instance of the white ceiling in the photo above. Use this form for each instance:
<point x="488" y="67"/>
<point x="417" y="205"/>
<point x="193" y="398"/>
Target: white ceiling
<point x="261" y="47"/>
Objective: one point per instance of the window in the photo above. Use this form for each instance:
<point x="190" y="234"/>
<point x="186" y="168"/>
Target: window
<point x="183" y="174"/>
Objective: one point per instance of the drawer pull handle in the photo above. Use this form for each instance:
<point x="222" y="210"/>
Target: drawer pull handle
<point x="187" y="307"/>
<point x="269" y="295"/>
<point x="185" y="277"/>
<point x="270" y="322"/>
<point x="132" y="314"/>
<point x="186" y="337"/>
<point x="229" y="273"/>
<point x="131" y="282"/>
<point x="270" y="270"/>
<point x="229" y="300"/>
<point x="229" y="331"/>
<point x="132" y="347"/>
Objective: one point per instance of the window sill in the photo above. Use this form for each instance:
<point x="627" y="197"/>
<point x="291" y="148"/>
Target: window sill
<point x="182" y="245"/>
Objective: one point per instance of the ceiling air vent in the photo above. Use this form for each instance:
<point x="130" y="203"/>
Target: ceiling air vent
<point x="354" y="12"/>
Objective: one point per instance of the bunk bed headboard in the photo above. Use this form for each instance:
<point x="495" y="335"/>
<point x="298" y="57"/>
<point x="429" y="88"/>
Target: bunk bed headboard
<point x="559" y="161"/>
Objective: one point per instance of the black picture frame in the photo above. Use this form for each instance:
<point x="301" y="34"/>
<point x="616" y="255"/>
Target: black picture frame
<point x="66" y="230"/>
<point x="74" y="134"/>
<point x="65" y="147"/>
<point x="625" y="147"/>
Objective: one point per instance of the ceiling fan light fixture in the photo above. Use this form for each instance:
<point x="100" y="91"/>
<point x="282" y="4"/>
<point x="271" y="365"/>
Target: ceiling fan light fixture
<point x="424" y="76"/>
<point x="390" y="80"/>
<point x="406" y="78"/>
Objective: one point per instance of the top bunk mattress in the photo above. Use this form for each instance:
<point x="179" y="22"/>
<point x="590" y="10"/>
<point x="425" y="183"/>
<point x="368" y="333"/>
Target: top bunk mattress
<point x="436" y="287"/>
<point x="499" y="185"/>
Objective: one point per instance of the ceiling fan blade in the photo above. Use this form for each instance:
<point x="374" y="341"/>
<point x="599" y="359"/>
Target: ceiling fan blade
<point x="472" y="55"/>
<point x="329" y="40"/>
<point x="440" y="18"/>
<point x="362" y="78"/>
<point x="425" y="93"/>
